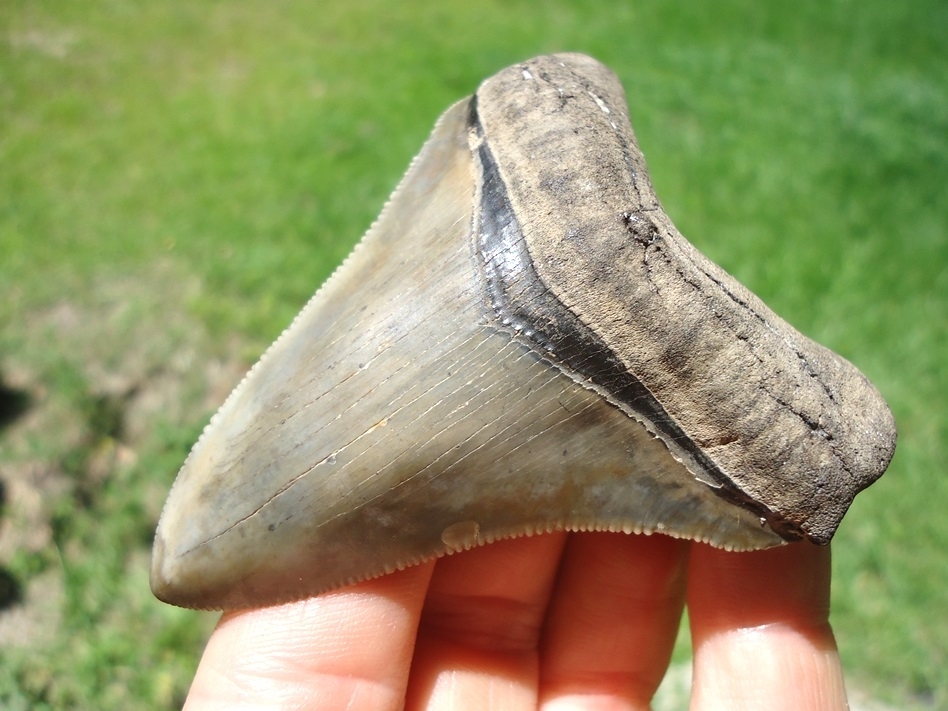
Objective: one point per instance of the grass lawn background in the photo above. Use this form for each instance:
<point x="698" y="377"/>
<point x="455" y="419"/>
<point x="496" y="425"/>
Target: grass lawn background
<point x="177" y="178"/>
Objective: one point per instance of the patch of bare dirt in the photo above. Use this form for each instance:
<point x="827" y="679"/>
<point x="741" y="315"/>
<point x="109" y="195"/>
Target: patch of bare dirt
<point x="92" y="378"/>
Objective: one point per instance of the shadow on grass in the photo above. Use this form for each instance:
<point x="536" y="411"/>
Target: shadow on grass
<point x="13" y="404"/>
<point x="11" y="592"/>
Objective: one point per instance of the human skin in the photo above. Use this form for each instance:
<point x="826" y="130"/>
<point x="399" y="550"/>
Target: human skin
<point x="553" y="622"/>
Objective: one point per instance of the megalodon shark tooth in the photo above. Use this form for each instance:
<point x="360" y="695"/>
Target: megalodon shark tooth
<point x="522" y="342"/>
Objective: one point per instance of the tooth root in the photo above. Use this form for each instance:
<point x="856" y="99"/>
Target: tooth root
<point x="419" y="406"/>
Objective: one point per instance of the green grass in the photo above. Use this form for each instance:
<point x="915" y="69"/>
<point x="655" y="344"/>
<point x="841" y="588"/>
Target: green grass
<point x="177" y="178"/>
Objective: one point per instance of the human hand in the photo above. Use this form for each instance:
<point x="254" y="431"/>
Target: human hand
<point x="552" y="622"/>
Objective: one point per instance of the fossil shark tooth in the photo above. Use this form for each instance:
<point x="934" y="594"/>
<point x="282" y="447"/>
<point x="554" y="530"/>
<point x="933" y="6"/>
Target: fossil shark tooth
<point x="522" y="342"/>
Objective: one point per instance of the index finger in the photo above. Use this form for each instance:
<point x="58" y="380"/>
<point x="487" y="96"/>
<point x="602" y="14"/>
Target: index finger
<point x="313" y="653"/>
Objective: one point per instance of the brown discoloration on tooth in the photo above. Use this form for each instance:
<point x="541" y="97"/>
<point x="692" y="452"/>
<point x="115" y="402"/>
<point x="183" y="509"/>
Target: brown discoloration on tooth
<point x="522" y="343"/>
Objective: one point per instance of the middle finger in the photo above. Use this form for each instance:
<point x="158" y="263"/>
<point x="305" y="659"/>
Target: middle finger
<point x="480" y="626"/>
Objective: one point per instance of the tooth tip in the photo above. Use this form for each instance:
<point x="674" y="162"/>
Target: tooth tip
<point x="163" y="578"/>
